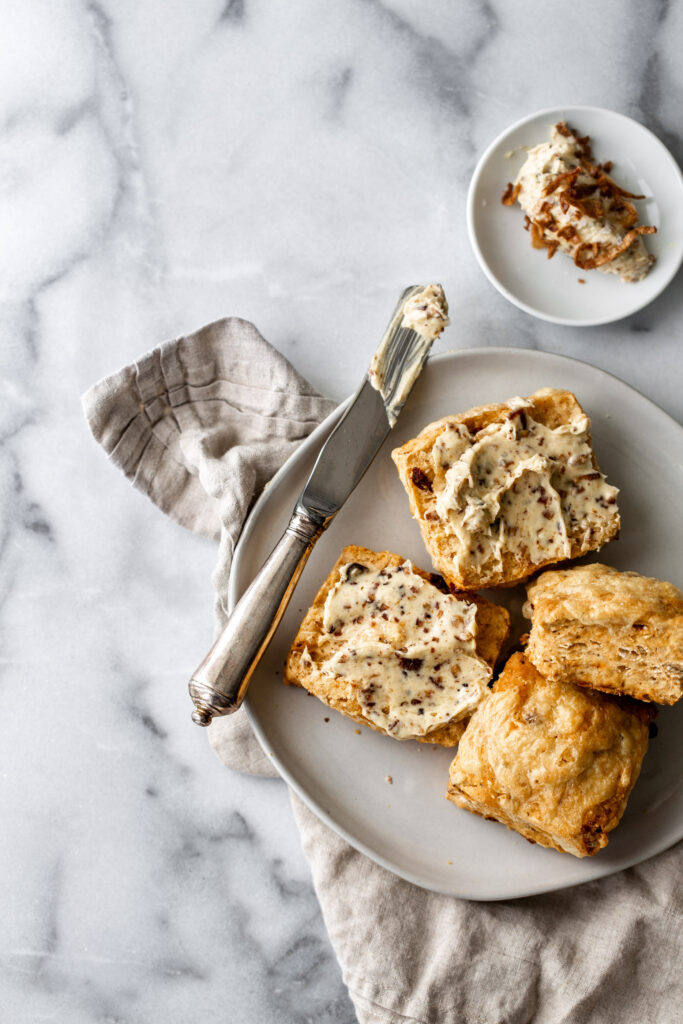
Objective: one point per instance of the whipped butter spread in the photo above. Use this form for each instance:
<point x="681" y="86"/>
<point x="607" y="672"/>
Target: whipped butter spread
<point x="519" y="487"/>
<point x="427" y="312"/>
<point x="572" y="204"/>
<point x="407" y="649"/>
<point x="424" y="311"/>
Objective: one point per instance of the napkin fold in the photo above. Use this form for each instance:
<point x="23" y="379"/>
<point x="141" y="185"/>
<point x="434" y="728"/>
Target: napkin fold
<point x="200" y="425"/>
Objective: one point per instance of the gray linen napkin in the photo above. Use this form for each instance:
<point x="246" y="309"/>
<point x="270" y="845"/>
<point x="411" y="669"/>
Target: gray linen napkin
<point x="200" y="425"/>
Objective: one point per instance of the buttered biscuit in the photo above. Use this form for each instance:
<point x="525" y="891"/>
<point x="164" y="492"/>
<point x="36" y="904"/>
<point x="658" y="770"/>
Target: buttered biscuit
<point x="389" y="646"/>
<point x="502" y="490"/>
<point x="614" y="631"/>
<point x="550" y="760"/>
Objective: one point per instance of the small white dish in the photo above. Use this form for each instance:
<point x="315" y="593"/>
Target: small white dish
<point x="550" y="289"/>
<point x="339" y="769"/>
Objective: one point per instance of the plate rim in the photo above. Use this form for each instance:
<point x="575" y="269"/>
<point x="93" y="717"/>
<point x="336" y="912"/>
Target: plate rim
<point x="300" y="453"/>
<point x="481" y="259"/>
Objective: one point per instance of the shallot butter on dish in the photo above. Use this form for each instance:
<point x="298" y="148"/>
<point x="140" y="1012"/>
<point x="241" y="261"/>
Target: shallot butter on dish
<point x="572" y="204"/>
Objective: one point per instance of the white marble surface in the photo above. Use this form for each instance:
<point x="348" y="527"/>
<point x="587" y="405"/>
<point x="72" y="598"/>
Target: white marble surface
<point x="164" y="163"/>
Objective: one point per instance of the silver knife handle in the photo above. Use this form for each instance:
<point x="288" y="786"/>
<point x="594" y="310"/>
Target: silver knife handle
<point x="220" y="683"/>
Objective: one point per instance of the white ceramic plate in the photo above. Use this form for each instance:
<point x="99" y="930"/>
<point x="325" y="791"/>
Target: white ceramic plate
<point x="340" y="769"/>
<point x="550" y="289"/>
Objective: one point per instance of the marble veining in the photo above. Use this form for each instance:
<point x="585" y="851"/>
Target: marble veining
<point x="163" y="164"/>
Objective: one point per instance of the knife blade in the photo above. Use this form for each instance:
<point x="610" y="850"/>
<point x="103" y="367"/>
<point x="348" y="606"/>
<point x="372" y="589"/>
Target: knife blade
<point x="346" y="454"/>
<point x="219" y="685"/>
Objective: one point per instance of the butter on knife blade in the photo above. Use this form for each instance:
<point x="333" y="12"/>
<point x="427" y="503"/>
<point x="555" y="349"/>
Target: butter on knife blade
<point x="423" y="311"/>
<point x="219" y="684"/>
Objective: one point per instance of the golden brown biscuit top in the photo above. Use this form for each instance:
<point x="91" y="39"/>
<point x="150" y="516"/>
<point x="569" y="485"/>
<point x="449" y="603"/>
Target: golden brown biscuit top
<point x="600" y="595"/>
<point x="409" y="648"/>
<point x="550" y="752"/>
<point x="517" y="485"/>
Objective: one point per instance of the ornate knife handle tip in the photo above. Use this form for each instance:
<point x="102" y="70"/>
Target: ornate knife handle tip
<point x="209" y="704"/>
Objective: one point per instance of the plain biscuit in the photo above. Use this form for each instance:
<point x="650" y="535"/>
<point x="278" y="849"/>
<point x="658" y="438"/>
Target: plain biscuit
<point x="614" y="631"/>
<point x="550" y="760"/>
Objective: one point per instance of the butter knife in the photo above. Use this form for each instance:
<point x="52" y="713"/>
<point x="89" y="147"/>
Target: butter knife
<point x="219" y="684"/>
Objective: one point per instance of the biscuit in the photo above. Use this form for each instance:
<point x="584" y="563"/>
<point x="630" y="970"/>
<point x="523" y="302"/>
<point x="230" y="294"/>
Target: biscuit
<point x="503" y="490"/>
<point x="389" y="646"/>
<point x="614" y="631"/>
<point x="550" y="760"/>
